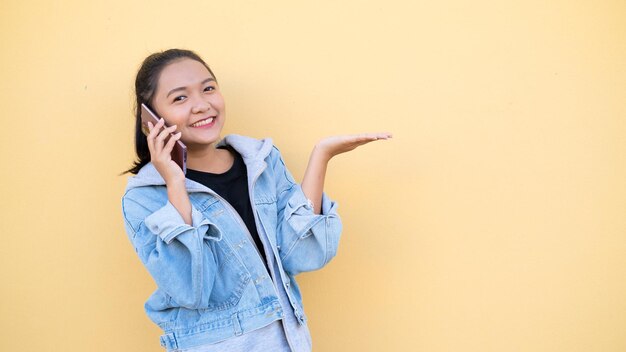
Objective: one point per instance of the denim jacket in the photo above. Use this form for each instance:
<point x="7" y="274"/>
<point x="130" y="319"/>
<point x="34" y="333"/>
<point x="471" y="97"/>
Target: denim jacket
<point x="211" y="281"/>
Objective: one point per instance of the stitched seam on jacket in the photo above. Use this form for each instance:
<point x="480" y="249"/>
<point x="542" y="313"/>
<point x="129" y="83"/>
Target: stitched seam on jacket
<point x="308" y="227"/>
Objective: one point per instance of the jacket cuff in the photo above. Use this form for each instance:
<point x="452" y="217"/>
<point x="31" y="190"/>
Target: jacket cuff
<point x="299" y="211"/>
<point x="167" y="223"/>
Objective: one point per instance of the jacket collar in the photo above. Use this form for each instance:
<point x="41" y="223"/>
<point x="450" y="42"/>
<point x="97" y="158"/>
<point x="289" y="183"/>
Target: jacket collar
<point x="253" y="152"/>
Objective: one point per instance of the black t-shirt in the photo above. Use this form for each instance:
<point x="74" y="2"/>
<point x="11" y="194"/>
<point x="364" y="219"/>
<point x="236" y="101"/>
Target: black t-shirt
<point x="232" y="185"/>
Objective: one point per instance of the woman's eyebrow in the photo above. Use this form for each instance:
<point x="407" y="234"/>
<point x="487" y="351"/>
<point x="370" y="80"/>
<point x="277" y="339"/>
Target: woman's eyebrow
<point x="183" y="88"/>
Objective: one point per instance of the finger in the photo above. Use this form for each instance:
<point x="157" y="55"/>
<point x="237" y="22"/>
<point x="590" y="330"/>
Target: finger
<point x="380" y="135"/>
<point x="150" y="139"/>
<point x="155" y="129"/>
<point x="364" y="138"/>
<point x="375" y="136"/>
<point x="170" y="143"/>
<point x="384" y="135"/>
<point x="369" y="137"/>
<point x="166" y="131"/>
<point x="160" y="139"/>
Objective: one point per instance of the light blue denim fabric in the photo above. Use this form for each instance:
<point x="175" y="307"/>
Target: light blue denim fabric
<point x="269" y="338"/>
<point x="212" y="283"/>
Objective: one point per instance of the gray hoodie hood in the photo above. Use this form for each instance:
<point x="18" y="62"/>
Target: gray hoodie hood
<point x="253" y="151"/>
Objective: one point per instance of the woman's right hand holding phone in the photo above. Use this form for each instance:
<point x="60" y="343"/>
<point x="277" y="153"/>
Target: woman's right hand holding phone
<point x="161" y="152"/>
<point x="161" y="157"/>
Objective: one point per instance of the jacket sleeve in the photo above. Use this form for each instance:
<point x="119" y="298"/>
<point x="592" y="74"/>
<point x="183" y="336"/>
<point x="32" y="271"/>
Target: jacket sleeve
<point x="307" y="241"/>
<point x="172" y="251"/>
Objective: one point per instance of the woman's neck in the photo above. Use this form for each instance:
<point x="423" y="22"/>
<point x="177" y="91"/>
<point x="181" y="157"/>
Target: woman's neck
<point x="209" y="159"/>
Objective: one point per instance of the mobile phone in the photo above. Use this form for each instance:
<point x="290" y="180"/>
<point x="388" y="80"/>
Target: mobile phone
<point x="179" y="152"/>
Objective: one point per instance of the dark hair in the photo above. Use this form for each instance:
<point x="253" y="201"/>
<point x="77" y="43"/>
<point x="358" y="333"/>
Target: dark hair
<point x="145" y="87"/>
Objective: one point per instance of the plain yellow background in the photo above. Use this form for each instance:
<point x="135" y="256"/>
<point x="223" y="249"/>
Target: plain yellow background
<point x="493" y="221"/>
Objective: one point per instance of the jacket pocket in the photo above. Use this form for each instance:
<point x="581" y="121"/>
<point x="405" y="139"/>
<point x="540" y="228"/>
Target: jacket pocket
<point x="267" y="212"/>
<point x="231" y="276"/>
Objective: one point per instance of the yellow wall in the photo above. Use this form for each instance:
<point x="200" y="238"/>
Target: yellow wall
<point x="494" y="221"/>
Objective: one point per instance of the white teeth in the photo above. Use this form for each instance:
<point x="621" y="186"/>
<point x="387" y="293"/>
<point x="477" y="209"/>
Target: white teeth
<point x="203" y="122"/>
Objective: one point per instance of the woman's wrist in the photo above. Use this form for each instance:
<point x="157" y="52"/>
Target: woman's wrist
<point x="313" y="180"/>
<point x="176" y="191"/>
<point x="178" y="196"/>
<point x="321" y="154"/>
<point x="177" y="182"/>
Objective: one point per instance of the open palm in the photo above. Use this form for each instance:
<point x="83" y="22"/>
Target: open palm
<point x="335" y="145"/>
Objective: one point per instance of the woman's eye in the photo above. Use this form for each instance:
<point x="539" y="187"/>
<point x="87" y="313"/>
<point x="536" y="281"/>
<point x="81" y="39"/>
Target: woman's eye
<point x="179" y="98"/>
<point x="209" y="88"/>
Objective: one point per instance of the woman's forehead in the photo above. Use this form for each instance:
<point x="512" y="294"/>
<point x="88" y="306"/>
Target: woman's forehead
<point x="184" y="72"/>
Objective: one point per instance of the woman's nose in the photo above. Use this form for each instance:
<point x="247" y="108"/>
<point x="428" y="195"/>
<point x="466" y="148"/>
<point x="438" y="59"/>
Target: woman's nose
<point x="201" y="105"/>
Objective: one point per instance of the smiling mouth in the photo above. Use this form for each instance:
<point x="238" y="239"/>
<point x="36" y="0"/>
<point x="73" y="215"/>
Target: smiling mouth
<point x="203" y="122"/>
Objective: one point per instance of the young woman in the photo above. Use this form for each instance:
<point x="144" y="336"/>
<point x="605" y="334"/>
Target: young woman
<point x="224" y="241"/>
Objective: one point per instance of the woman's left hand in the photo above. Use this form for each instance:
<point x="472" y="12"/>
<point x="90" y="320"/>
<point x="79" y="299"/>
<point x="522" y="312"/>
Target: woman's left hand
<point x="331" y="146"/>
<point x="313" y="180"/>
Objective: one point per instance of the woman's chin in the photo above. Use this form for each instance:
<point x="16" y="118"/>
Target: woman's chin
<point x="197" y="143"/>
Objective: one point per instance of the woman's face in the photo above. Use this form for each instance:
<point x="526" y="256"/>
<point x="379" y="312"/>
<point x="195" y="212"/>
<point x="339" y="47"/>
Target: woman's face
<point x="187" y="96"/>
